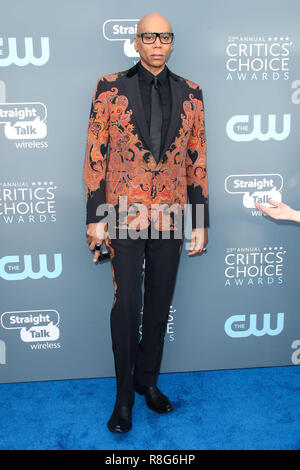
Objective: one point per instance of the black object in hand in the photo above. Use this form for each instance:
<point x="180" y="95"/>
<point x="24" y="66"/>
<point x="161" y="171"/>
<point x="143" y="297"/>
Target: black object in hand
<point x="104" y="252"/>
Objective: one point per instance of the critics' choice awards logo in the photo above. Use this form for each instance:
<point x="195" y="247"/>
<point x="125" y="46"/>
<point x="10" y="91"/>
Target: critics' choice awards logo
<point x="255" y="188"/>
<point x="35" y="326"/>
<point x="254" y="266"/>
<point x="23" y="122"/>
<point x="245" y="128"/>
<point x="170" y="331"/>
<point x="242" y="326"/>
<point x="258" y="58"/>
<point x="27" y="202"/>
<point x="17" y="268"/>
<point x="122" y="30"/>
<point x="24" y="51"/>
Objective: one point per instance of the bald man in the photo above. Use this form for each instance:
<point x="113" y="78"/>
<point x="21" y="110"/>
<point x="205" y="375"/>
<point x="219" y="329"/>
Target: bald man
<point x="152" y="122"/>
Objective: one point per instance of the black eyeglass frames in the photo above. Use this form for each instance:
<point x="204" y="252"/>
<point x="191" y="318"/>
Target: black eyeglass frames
<point x="150" y="38"/>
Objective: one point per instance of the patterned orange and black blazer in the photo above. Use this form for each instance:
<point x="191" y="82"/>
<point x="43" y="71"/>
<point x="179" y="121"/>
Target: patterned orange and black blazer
<point x="119" y="161"/>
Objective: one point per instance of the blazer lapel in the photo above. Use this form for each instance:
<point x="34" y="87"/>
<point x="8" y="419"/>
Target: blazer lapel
<point x="132" y="88"/>
<point x="175" y="118"/>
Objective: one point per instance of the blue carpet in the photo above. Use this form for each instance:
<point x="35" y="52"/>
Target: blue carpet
<point x="236" y="409"/>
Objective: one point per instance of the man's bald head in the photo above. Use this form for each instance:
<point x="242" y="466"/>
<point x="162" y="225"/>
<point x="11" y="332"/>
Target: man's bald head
<point x="154" y="22"/>
<point x="154" y="55"/>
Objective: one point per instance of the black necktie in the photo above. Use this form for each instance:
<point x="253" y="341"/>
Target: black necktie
<point x="156" y="120"/>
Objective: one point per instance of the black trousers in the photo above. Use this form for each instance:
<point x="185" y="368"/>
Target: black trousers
<point x="139" y="361"/>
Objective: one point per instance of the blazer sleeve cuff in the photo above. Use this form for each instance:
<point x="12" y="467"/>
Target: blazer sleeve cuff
<point x="95" y="202"/>
<point x="201" y="220"/>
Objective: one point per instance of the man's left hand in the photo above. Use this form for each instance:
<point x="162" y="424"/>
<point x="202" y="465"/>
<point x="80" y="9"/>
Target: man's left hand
<point x="198" y="241"/>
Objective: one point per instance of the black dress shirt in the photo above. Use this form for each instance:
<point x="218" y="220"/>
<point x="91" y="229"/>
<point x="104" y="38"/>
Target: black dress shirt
<point x="145" y="82"/>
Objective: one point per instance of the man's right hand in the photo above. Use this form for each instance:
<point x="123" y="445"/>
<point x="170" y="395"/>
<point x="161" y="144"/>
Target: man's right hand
<point x="96" y="233"/>
<point x="281" y="211"/>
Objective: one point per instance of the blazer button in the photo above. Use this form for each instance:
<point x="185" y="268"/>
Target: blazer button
<point x="153" y="191"/>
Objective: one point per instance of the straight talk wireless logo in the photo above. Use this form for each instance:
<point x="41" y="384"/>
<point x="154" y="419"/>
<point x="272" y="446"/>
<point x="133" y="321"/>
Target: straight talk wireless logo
<point x="253" y="188"/>
<point x="38" y="328"/>
<point x="122" y="30"/>
<point x="25" y="124"/>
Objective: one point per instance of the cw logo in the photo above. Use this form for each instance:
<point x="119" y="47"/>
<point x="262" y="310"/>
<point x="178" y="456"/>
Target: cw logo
<point x="9" y="264"/>
<point x="237" y="128"/>
<point x="2" y="353"/>
<point x="29" y="58"/>
<point x="237" y="327"/>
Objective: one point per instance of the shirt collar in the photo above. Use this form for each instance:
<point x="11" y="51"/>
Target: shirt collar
<point x="144" y="74"/>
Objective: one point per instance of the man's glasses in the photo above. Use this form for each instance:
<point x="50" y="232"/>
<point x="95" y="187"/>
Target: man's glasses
<point x="150" y="38"/>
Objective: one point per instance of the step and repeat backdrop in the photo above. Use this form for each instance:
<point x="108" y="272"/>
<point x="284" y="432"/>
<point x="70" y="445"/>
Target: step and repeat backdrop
<point x="237" y="306"/>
